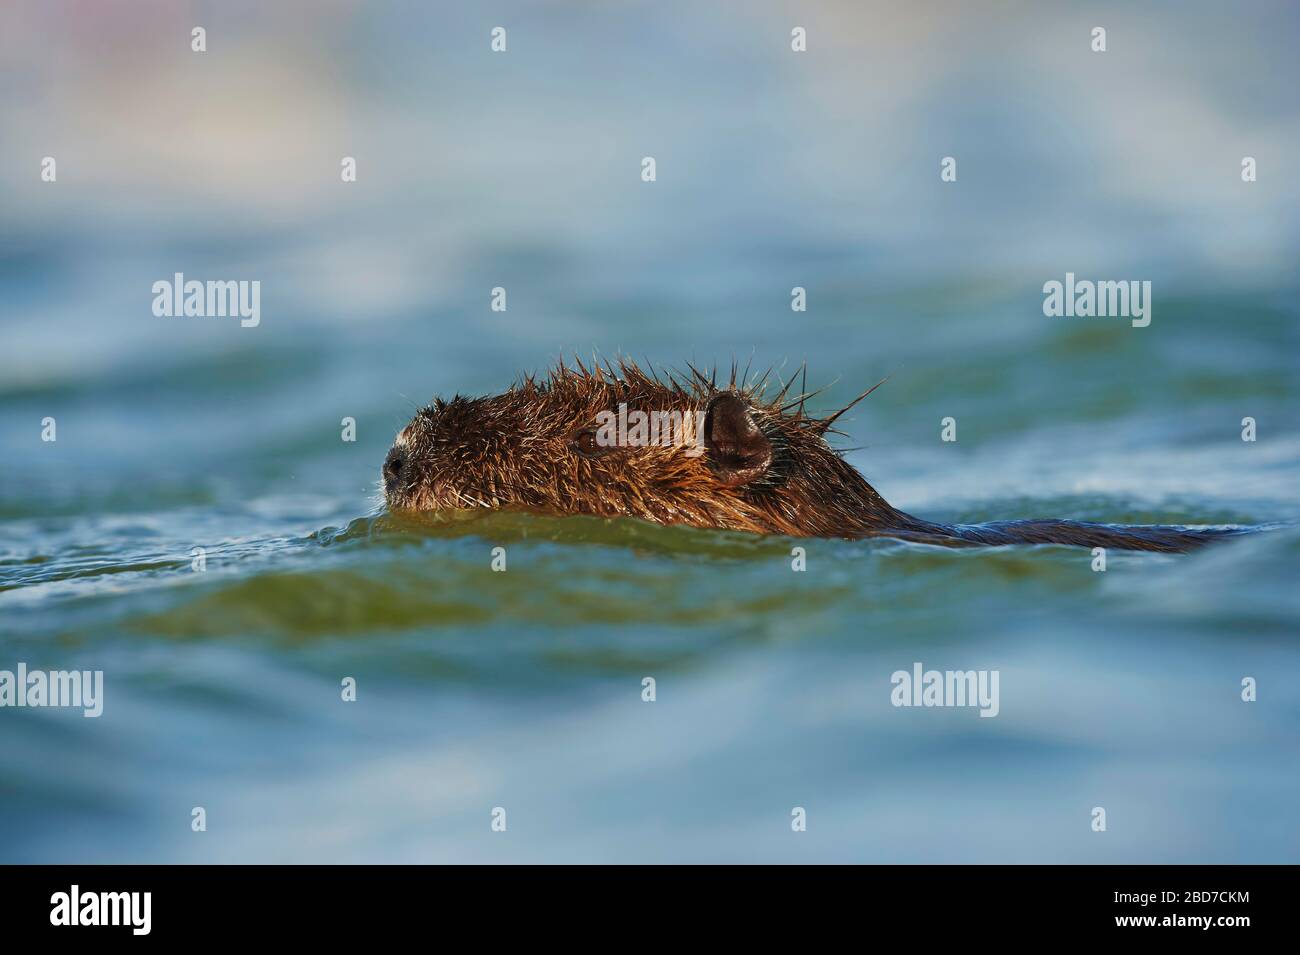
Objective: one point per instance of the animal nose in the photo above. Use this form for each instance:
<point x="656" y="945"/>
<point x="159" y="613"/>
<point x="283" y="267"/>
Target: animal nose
<point x="393" y="466"/>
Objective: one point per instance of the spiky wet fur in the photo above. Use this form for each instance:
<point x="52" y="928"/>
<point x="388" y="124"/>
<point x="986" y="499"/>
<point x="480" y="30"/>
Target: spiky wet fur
<point x="513" y="450"/>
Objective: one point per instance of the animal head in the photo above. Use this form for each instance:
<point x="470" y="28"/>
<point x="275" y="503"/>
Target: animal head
<point x="619" y="441"/>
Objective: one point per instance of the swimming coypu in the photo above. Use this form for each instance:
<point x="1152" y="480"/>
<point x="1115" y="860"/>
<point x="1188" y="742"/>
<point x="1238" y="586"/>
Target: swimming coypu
<point x="737" y="460"/>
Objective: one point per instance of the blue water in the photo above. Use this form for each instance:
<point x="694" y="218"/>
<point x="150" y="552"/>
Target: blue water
<point x="522" y="690"/>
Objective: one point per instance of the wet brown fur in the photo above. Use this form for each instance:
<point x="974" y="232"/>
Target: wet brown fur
<point x="515" y="450"/>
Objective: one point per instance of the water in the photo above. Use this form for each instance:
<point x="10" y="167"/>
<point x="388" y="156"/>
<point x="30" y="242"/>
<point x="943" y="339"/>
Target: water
<point x="523" y="689"/>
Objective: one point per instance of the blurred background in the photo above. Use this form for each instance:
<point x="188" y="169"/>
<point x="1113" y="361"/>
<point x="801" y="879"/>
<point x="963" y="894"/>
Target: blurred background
<point x="522" y="169"/>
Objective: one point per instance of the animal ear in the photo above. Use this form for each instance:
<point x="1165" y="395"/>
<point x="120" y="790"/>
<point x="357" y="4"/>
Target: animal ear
<point x="739" y="451"/>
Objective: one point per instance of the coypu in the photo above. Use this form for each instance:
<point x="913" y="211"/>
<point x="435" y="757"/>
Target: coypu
<point x="737" y="461"/>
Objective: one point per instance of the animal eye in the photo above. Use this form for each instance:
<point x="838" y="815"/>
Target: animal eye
<point x="585" y="444"/>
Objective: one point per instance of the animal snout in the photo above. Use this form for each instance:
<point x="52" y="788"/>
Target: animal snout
<point x="394" y="469"/>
